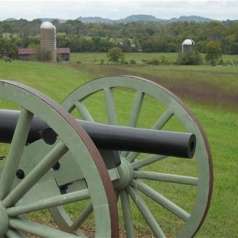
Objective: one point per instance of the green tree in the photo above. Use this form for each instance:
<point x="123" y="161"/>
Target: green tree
<point x="115" y="54"/>
<point x="214" y="52"/>
<point x="8" y="47"/>
<point x="189" y="58"/>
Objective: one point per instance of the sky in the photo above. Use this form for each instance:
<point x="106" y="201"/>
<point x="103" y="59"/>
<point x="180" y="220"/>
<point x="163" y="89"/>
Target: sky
<point x="116" y="9"/>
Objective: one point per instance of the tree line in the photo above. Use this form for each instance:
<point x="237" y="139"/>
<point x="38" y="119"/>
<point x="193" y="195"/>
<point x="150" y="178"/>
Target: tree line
<point x="130" y="37"/>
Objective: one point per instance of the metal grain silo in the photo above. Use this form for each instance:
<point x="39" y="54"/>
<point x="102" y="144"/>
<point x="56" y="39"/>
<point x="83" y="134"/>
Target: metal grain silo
<point x="48" y="41"/>
<point x="187" y="45"/>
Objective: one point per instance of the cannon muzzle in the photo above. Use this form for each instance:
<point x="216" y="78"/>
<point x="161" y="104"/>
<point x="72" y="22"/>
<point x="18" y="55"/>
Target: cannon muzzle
<point x="108" y="137"/>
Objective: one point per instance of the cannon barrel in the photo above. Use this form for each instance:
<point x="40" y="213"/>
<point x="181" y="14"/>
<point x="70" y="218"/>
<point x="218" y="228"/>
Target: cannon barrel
<point x="108" y="137"/>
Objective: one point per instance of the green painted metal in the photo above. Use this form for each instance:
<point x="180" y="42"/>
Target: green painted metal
<point x="83" y="111"/>
<point x="110" y="106"/>
<point x="35" y="174"/>
<point x="15" y="153"/>
<point x="14" y="234"/>
<point x="160" y="199"/>
<point x="146" y="162"/>
<point x="146" y="213"/>
<point x="49" y="202"/>
<point x="127" y="216"/>
<point x="4" y="220"/>
<point x="174" y="109"/>
<point x="46" y="187"/>
<point x="38" y="189"/>
<point x="136" y="108"/>
<point x="125" y="171"/>
<point x="38" y="229"/>
<point x="83" y="216"/>
<point x="172" y="178"/>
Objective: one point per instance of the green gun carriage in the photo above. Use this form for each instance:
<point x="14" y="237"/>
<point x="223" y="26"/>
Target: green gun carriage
<point x="95" y="172"/>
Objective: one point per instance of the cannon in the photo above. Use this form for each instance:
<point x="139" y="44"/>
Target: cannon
<point x="107" y="137"/>
<point x="80" y="166"/>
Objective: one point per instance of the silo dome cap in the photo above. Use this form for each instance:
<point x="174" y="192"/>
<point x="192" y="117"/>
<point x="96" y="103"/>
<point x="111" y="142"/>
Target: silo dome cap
<point x="47" y="25"/>
<point x="188" y="42"/>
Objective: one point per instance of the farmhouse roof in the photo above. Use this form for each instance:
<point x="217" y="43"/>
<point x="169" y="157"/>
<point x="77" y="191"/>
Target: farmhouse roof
<point x="63" y="51"/>
<point x="26" y="51"/>
<point x="32" y="51"/>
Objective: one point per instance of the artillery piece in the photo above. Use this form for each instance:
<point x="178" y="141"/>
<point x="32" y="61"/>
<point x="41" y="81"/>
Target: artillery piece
<point x="55" y="160"/>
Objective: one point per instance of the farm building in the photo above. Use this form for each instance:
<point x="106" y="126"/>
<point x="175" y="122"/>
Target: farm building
<point x="187" y="45"/>
<point x="48" y="48"/>
<point x="63" y="54"/>
<point x="48" y="41"/>
<point x="27" y="53"/>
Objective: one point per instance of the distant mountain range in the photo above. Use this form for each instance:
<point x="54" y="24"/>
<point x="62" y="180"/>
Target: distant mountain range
<point x="143" y="18"/>
<point x="191" y="19"/>
<point x="132" y="18"/>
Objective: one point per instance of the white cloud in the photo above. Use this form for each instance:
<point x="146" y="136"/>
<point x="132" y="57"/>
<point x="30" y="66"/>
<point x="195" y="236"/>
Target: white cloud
<point x="219" y="9"/>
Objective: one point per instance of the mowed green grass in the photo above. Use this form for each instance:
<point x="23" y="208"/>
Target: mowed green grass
<point x="220" y="123"/>
<point x="54" y="80"/>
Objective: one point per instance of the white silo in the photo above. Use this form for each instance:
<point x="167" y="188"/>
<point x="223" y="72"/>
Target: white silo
<point x="187" y="45"/>
<point x="48" y="41"/>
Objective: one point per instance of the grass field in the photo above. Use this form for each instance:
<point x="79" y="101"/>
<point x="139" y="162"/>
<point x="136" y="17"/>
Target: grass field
<point x="210" y="92"/>
<point x="87" y="58"/>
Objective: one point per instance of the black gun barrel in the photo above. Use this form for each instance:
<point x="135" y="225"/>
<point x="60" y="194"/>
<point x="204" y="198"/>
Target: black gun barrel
<point x="108" y="137"/>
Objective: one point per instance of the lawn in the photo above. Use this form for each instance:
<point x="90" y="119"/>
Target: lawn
<point x="217" y="114"/>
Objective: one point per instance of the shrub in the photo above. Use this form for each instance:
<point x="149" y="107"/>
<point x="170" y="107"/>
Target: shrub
<point x="189" y="58"/>
<point x="132" y="61"/>
<point x="144" y="61"/>
<point x="153" y="62"/>
<point x="214" y="52"/>
<point x="235" y="62"/>
<point x="164" y="60"/>
<point x="115" y="55"/>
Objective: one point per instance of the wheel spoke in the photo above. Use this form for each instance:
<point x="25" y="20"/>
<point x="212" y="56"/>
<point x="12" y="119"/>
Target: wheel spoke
<point x="15" y="152"/>
<point x="145" y="211"/>
<point x="163" y="120"/>
<point x="38" y="229"/>
<point x="138" y="101"/>
<point x="171" y="178"/>
<point x="111" y="112"/>
<point x="83" y="217"/>
<point x="125" y="204"/>
<point x="35" y="174"/>
<point x="49" y="203"/>
<point x="163" y="201"/>
<point x="84" y="113"/>
<point x="146" y="162"/>
<point x="132" y="156"/>
<point x="14" y="234"/>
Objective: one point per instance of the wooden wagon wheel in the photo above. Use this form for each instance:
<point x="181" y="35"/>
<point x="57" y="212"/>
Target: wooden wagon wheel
<point x="141" y="177"/>
<point x="19" y="189"/>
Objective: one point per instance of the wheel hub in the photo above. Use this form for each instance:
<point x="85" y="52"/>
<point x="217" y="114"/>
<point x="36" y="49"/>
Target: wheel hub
<point x="126" y="174"/>
<point x="4" y="221"/>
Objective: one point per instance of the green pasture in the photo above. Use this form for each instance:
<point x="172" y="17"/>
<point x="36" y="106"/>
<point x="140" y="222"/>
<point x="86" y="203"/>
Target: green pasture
<point x="169" y="58"/>
<point x="86" y="58"/>
<point x="219" y="119"/>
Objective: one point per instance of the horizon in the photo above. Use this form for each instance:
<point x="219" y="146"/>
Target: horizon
<point x="116" y="19"/>
<point x="72" y="9"/>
